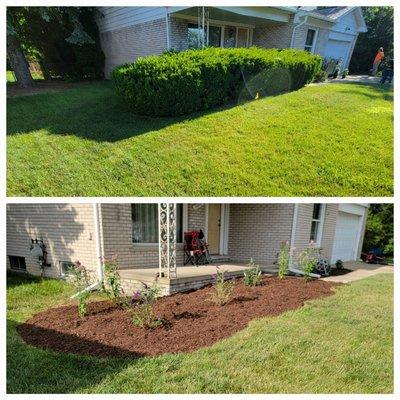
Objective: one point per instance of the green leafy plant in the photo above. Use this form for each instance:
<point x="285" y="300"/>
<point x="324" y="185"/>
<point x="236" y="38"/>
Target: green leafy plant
<point x="345" y="72"/>
<point x="223" y="288"/>
<point x="81" y="279"/>
<point x="112" y="282"/>
<point x="339" y="264"/>
<point x="195" y="80"/>
<point x="252" y="277"/>
<point x="308" y="259"/>
<point x="141" y="307"/>
<point x="283" y="260"/>
<point x="320" y="76"/>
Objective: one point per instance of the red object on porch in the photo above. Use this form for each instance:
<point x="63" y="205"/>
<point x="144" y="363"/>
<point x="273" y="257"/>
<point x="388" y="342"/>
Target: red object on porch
<point x="195" y="248"/>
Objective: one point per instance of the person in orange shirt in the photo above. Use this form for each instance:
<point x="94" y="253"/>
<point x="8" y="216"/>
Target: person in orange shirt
<point x="378" y="59"/>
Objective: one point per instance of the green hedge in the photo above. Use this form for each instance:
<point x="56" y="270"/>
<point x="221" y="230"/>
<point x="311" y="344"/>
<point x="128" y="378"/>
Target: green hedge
<point x="195" y="80"/>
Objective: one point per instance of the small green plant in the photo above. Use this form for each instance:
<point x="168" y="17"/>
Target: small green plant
<point x="141" y="307"/>
<point x="320" y="76"/>
<point x="252" y="277"/>
<point x="307" y="260"/>
<point x="223" y="288"/>
<point x="81" y="280"/>
<point x="339" y="264"/>
<point x="283" y="260"/>
<point x="345" y="72"/>
<point x="112" y="282"/>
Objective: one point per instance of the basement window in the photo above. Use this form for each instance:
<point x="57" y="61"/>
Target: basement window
<point x="145" y="223"/>
<point x="65" y="268"/>
<point x="17" y="262"/>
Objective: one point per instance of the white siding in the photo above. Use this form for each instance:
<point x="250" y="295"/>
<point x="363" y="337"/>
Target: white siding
<point x="114" y="18"/>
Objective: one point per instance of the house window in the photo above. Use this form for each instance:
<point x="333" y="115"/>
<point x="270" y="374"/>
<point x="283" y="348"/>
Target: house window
<point x="65" y="267"/>
<point x="316" y="223"/>
<point x="17" y="262"/>
<point x="310" y="40"/>
<point x="214" y="36"/>
<point x="230" y="36"/>
<point x="145" y="223"/>
<point x="195" y="35"/>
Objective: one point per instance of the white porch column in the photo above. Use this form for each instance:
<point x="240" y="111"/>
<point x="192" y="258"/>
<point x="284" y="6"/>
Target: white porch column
<point x="167" y="239"/>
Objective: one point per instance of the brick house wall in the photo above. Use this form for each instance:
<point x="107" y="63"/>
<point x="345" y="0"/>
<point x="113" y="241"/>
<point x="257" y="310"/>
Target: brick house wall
<point x="178" y="33"/>
<point x="255" y="231"/>
<point x="273" y="35"/>
<point x="127" y="44"/>
<point x="66" y="229"/>
<point x="258" y="230"/>
<point x="118" y="242"/>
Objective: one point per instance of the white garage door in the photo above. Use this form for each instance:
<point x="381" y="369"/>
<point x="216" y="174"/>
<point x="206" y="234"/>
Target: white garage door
<point x="346" y="237"/>
<point x="337" y="49"/>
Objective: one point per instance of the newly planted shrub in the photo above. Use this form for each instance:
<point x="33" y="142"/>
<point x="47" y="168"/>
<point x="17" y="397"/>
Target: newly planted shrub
<point x="252" y="277"/>
<point x="112" y="282"/>
<point x="141" y="307"/>
<point x="223" y="288"/>
<point x="308" y="259"/>
<point x="195" y="80"/>
<point x="283" y="260"/>
<point x="339" y="264"/>
<point x="81" y="280"/>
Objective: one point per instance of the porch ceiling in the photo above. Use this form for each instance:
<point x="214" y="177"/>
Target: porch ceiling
<point x="244" y="15"/>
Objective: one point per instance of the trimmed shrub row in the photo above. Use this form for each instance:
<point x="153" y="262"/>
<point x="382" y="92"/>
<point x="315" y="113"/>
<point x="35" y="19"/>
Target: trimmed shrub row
<point x="196" y="80"/>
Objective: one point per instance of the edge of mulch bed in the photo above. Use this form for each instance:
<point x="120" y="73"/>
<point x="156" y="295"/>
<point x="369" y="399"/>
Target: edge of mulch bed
<point x="192" y="320"/>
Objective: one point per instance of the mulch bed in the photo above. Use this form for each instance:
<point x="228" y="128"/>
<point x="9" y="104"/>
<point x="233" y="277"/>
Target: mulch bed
<point x="338" y="272"/>
<point x="192" y="320"/>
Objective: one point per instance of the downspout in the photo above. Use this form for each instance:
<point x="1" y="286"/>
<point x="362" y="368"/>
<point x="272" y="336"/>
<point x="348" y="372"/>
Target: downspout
<point x="99" y="251"/>
<point x="167" y="28"/>
<point x="293" y="234"/>
<point x="294" y="29"/>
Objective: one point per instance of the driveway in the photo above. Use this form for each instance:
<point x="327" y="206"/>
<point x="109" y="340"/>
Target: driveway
<point x="360" y="270"/>
<point x="355" y="79"/>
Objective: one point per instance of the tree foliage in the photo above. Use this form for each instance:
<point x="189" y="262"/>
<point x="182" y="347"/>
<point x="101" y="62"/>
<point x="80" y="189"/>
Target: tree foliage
<point x="379" y="228"/>
<point x="64" y="40"/>
<point x="380" y="23"/>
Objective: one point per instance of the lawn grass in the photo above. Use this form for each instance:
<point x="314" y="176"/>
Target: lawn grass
<point x="340" y="344"/>
<point x="322" y="140"/>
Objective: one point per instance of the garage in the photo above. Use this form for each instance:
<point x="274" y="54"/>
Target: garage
<point x="337" y="49"/>
<point x="349" y="225"/>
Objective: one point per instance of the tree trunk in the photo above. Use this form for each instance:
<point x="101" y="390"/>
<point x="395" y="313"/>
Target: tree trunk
<point x="18" y="61"/>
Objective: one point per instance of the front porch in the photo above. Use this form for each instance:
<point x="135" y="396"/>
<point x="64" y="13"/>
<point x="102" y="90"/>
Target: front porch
<point x="186" y="278"/>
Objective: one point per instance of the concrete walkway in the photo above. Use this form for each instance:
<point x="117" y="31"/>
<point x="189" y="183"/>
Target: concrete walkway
<point x="360" y="270"/>
<point x="355" y="79"/>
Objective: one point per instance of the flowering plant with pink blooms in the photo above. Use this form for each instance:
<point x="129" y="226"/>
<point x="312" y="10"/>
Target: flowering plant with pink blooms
<point x="308" y="259"/>
<point x="141" y="307"/>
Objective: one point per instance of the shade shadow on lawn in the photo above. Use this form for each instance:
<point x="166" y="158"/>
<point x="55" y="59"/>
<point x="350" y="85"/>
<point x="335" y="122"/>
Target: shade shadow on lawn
<point x="100" y="115"/>
<point x="43" y="367"/>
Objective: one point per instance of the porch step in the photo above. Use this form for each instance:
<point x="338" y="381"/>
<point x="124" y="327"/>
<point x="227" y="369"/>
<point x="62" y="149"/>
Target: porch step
<point x="219" y="259"/>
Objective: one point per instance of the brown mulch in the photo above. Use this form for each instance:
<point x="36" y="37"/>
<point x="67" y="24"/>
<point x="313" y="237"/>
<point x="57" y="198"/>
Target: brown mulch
<point x="338" y="272"/>
<point x="192" y="320"/>
<point x="43" y="87"/>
